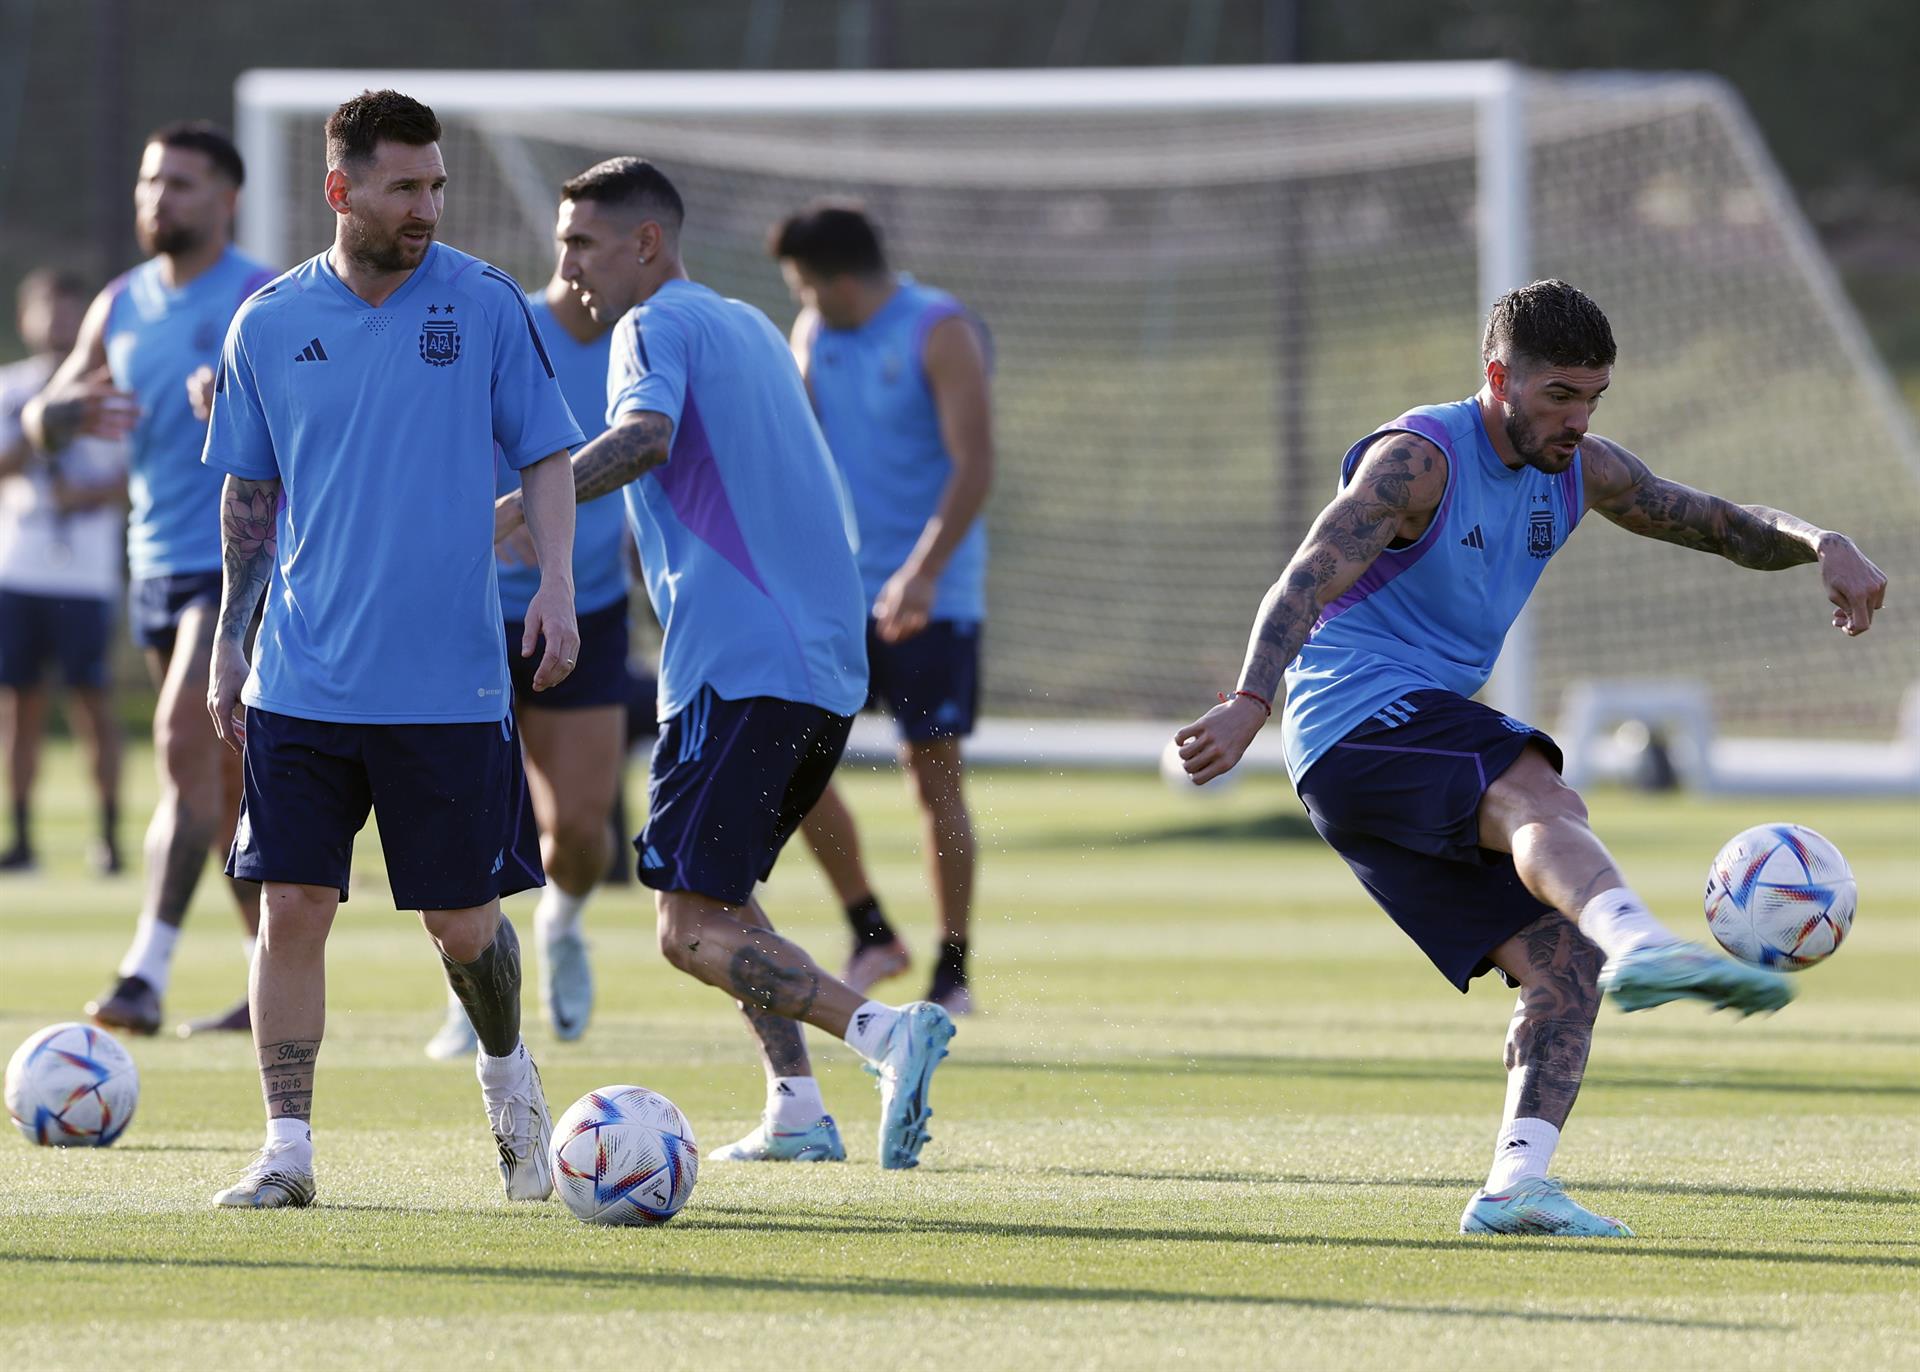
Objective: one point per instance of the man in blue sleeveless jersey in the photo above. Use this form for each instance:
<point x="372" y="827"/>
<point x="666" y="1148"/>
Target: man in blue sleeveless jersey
<point x="573" y="734"/>
<point x="898" y="374"/>
<point x="359" y="403"/>
<point x="746" y="550"/>
<point x="1454" y="816"/>
<point x="142" y="340"/>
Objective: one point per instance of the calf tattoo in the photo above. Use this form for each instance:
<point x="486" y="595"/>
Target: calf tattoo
<point x="489" y="990"/>
<point x="1552" y="1027"/>
<point x="783" y="1042"/>
<point x="760" y="983"/>
<point x="286" y="1077"/>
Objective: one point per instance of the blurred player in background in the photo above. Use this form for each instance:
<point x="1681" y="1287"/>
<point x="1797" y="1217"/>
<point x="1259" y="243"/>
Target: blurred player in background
<point x="745" y="546"/>
<point x="573" y="734"/>
<point x="898" y="374"/>
<point x="360" y="401"/>
<point x="1453" y="815"/>
<point x="60" y="529"/>
<point x="141" y="343"/>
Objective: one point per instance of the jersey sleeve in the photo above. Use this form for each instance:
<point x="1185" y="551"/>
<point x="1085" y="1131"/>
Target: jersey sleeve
<point x="648" y="367"/>
<point x="530" y="415"/>
<point x="239" y="439"/>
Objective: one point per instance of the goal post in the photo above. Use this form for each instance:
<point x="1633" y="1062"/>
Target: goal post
<point x="1205" y="282"/>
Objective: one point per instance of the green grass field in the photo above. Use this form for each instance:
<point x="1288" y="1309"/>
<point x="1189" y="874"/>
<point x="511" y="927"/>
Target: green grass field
<point x="1217" y="1111"/>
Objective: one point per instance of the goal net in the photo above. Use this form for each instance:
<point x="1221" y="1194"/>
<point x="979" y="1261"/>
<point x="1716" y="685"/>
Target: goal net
<point x="1204" y="284"/>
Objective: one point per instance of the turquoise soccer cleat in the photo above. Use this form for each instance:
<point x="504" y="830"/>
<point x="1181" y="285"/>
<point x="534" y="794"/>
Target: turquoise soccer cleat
<point x="818" y="1142"/>
<point x="566" y="986"/>
<point x="1653" y="976"/>
<point x="905" y="1069"/>
<point x="1538" y="1205"/>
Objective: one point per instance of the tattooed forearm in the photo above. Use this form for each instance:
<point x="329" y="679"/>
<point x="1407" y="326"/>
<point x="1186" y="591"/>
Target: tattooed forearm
<point x="628" y="450"/>
<point x="248" y="534"/>
<point x="760" y="983"/>
<point x="1552" y="1028"/>
<point x="286" y="1077"/>
<point x="1755" y="536"/>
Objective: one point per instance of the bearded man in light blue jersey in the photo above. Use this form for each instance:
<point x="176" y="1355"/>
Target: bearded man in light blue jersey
<point x="1453" y="815"/>
<point x="747" y="554"/>
<point x="573" y="734"/>
<point x="145" y="337"/>
<point x="360" y="401"/>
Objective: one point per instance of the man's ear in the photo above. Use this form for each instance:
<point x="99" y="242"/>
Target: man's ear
<point x="337" y="191"/>
<point x="1498" y="378"/>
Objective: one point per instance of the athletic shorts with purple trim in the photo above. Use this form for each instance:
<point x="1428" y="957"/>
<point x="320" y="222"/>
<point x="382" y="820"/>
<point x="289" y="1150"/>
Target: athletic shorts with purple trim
<point x="456" y="822"/>
<point x="731" y="781"/>
<point x="1399" y="799"/>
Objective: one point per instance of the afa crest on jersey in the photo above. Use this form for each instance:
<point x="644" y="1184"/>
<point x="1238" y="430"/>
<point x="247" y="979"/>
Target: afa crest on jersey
<point x="440" y="342"/>
<point x="1540" y="533"/>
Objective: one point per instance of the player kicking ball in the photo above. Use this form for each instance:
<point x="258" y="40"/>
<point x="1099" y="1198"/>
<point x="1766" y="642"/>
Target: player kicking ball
<point x="1454" y="817"/>
<point x="357" y="410"/>
<point x="745" y="547"/>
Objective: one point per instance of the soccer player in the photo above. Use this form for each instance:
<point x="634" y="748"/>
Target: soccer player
<point x="60" y="523"/>
<point x="898" y="373"/>
<point x="140" y="344"/>
<point x="1454" y="817"/>
<point x="359" y="402"/>
<point x="745" y="546"/>
<point x="573" y="734"/>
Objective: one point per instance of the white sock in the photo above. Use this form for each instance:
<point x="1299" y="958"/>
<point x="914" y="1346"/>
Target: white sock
<point x="503" y="1072"/>
<point x="794" y="1102"/>
<point x="150" y="956"/>
<point x="1620" y="923"/>
<point x="293" y="1133"/>
<point x="1523" y="1150"/>
<point x="557" y="914"/>
<point x="867" y="1031"/>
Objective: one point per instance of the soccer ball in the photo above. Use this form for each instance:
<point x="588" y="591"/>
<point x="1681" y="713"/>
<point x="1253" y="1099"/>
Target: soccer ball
<point x="72" y="1085"/>
<point x="624" y="1155"/>
<point x="1779" y="895"/>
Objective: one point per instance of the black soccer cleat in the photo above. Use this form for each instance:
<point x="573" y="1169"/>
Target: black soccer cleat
<point x="131" y="1005"/>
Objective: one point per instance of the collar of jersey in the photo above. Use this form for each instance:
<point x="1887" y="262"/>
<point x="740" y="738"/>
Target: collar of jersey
<point x="392" y="301"/>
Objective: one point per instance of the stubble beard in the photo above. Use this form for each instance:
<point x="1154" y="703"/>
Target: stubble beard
<point x="380" y="255"/>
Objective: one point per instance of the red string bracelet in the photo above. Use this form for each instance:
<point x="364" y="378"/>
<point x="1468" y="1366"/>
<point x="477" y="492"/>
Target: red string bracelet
<point x="1253" y="696"/>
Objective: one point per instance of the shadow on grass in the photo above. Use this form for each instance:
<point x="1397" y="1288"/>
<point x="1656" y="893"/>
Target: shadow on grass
<point x="1283" y="827"/>
<point x="1420" y="1070"/>
<point x="630" y="1282"/>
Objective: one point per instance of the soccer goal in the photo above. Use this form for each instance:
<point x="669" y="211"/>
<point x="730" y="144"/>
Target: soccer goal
<point x="1205" y="283"/>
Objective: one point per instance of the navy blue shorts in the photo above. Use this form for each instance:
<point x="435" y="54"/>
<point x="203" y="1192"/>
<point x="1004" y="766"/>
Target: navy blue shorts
<point x="37" y="631"/>
<point x="599" y="677"/>
<point x="930" y="684"/>
<point x="456" y="823"/>
<point x="732" y="779"/>
<point x="1399" y="799"/>
<point x="156" y="603"/>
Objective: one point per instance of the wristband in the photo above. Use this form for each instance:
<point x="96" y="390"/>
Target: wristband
<point x="1253" y="696"/>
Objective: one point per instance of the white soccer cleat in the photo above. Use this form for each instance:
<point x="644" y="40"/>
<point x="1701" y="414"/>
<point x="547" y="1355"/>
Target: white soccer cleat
<point x="523" y="1130"/>
<point x="1538" y="1206"/>
<point x="566" y="985"/>
<point x="454" y="1039"/>
<point x="278" y="1177"/>
<point x="818" y="1142"/>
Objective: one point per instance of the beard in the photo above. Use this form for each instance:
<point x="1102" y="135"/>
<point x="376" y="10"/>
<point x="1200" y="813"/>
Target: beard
<point x="174" y="238"/>
<point x="1533" y="450"/>
<point x="382" y="253"/>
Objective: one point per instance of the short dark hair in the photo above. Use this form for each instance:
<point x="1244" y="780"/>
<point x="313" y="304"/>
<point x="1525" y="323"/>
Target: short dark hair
<point x="371" y="117"/>
<point x="629" y="183"/>
<point x="830" y="237"/>
<point x="202" y="137"/>
<point x="1550" y="322"/>
<point x="48" y="282"/>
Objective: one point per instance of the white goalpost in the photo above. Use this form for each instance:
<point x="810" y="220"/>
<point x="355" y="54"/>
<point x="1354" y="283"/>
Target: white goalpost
<point x="1204" y="283"/>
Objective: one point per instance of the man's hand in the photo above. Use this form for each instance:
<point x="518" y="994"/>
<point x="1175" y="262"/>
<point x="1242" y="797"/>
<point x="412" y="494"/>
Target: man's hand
<point x="903" y="605"/>
<point x="550" y="616"/>
<point x="89" y="404"/>
<point x="200" y="393"/>
<point x="1855" y="586"/>
<point x="225" y="676"/>
<point x="1214" y="743"/>
<point x="516" y="547"/>
<point x="509" y="516"/>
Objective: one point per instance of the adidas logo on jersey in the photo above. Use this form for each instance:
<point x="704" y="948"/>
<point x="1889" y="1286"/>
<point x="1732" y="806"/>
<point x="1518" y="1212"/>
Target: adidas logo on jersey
<point x="1474" y="539"/>
<point x="313" y="352"/>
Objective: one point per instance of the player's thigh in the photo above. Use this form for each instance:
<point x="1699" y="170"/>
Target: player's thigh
<point x="183" y="731"/>
<point x="463" y="934"/>
<point x="936" y="771"/>
<point x="574" y="760"/>
<point x="306" y="797"/>
<point x="1529" y="791"/>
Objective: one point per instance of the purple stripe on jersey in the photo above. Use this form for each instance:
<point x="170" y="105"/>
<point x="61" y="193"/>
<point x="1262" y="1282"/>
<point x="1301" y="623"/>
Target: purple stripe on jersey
<point x="1393" y="561"/>
<point x="938" y="313"/>
<point x="1571" y="493"/>
<point x="691" y="483"/>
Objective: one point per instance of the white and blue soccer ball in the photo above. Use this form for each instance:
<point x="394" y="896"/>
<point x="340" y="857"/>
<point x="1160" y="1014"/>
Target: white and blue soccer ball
<point x="624" y="1155"/>
<point x="1780" y="896"/>
<point x="72" y="1086"/>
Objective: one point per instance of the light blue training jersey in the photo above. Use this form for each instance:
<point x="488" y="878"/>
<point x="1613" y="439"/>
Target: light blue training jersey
<point x="1432" y="615"/>
<point x="156" y="337"/>
<point x="877" y="410"/>
<point x="745" y="537"/>
<point x="600" y="526"/>
<point x="380" y="424"/>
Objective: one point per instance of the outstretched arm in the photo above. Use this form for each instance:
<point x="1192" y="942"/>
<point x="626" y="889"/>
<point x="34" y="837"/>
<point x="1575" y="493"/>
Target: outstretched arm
<point x="1394" y="491"/>
<point x="640" y="441"/>
<point x="249" y="511"/>
<point x="1625" y="490"/>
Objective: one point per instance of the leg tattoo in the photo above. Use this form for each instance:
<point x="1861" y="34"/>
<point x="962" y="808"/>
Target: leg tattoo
<point x="783" y="1044"/>
<point x="489" y="990"/>
<point x="1552" y="1028"/>
<point x="286" y="1077"/>
<point x="762" y="984"/>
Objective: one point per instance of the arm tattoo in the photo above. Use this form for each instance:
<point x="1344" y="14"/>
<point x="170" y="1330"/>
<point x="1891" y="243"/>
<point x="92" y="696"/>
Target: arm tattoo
<point x="1749" y="535"/>
<point x="1552" y="1028"/>
<point x="628" y="450"/>
<point x="760" y="983"/>
<point x="248" y="543"/>
<point x="286" y="1077"/>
